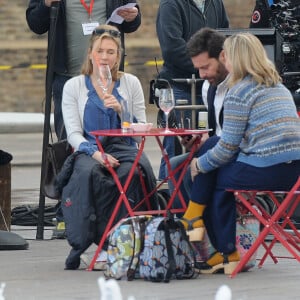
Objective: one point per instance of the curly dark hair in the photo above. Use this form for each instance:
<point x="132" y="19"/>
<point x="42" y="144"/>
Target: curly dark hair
<point x="206" y="40"/>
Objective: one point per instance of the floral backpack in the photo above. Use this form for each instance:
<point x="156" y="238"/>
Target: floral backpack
<point x="124" y="246"/>
<point x="167" y="252"/>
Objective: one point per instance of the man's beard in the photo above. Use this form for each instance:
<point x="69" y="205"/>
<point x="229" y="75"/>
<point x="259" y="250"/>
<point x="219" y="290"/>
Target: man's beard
<point x="220" y="75"/>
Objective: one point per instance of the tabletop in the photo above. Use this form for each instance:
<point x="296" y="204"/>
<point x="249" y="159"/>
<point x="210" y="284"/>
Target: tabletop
<point x="151" y="132"/>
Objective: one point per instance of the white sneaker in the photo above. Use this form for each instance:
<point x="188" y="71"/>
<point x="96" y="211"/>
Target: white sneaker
<point x="102" y="256"/>
<point x="100" y="264"/>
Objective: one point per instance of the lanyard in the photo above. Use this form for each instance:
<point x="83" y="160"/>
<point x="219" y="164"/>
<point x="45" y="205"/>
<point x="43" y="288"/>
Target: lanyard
<point x="88" y="8"/>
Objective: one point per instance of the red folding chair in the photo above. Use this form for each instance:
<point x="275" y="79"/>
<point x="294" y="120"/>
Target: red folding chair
<point x="274" y="223"/>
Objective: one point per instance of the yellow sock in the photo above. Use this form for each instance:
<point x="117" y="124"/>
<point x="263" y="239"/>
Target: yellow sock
<point x="193" y="216"/>
<point x="218" y="258"/>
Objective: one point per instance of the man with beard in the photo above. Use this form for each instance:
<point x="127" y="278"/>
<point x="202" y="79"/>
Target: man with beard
<point x="176" y="22"/>
<point x="207" y="58"/>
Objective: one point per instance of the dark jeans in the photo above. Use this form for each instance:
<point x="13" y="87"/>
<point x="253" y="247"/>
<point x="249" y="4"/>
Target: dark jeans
<point x="186" y="184"/>
<point x="59" y="214"/>
<point x="220" y="213"/>
<point x="169" y="142"/>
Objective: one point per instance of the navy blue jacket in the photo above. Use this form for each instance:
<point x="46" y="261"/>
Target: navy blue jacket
<point x="38" y="19"/>
<point x="177" y="21"/>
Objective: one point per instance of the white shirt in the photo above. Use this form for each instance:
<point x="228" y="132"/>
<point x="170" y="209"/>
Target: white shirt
<point x="200" y="4"/>
<point x="218" y="102"/>
<point x="75" y="96"/>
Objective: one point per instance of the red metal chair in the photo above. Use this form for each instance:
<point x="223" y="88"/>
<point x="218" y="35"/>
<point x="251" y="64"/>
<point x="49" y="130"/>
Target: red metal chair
<point x="274" y="223"/>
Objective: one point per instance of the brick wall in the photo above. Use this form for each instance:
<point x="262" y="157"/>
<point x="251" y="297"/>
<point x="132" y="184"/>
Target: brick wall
<point x="22" y="87"/>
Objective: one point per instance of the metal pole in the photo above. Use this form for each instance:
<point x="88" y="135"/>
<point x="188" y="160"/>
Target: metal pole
<point x="49" y="79"/>
<point x="192" y="81"/>
<point x="193" y="96"/>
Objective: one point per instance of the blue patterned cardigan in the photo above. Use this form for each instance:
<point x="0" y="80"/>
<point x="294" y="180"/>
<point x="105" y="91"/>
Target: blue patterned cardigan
<point x="261" y="127"/>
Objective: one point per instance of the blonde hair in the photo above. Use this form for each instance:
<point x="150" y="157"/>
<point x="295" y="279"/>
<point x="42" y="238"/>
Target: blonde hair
<point x="104" y="32"/>
<point x="247" y="56"/>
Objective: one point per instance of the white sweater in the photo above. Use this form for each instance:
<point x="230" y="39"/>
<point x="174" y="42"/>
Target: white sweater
<point x="75" y="95"/>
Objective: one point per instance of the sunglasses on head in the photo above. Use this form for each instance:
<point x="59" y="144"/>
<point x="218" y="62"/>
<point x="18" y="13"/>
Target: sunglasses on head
<point x="114" y="33"/>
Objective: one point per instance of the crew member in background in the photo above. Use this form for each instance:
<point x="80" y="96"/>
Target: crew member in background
<point x="261" y="14"/>
<point x="75" y="22"/>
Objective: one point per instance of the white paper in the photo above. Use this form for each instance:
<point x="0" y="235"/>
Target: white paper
<point x="115" y="18"/>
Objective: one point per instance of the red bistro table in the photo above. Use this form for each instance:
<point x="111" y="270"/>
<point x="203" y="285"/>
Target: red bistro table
<point x="158" y="133"/>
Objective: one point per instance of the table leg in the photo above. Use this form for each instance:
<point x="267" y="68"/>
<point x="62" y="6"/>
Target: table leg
<point x="122" y="198"/>
<point x="183" y="168"/>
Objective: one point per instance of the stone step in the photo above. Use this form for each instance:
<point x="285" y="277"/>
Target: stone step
<point x="22" y="122"/>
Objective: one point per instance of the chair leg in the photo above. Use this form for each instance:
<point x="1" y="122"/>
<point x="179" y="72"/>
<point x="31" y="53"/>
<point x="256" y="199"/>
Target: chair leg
<point x="271" y="224"/>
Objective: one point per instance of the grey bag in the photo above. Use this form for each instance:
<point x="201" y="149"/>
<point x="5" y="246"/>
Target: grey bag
<point x="56" y="154"/>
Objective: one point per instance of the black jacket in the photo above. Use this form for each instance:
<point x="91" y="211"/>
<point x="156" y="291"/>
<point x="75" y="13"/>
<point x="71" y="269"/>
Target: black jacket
<point x="177" y="21"/>
<point x="261" y="15"/>
<point x="90" y="194"/>
<point x="38" y="17"/>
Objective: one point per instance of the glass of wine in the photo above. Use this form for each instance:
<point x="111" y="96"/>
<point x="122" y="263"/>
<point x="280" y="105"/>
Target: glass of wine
<point x="105" y="78"/>
<point x="166" y="103"/>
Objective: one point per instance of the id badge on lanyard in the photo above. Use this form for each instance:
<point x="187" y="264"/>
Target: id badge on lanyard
<point x="88" y="27"/>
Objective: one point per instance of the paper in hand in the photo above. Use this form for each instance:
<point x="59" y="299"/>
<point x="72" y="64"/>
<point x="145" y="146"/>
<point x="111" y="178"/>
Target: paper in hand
<point x="115" y="18"/>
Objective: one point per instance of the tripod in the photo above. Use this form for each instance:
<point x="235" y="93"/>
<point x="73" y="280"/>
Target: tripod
<point x="49" y="79"/>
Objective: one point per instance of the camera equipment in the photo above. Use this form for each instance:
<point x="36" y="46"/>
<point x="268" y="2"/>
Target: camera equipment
<point x="276" y="24"/>
<point x="285" y="18"/>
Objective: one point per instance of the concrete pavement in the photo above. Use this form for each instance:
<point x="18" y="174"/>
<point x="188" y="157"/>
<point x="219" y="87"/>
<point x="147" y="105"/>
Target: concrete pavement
<point x="38" y="273"/>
